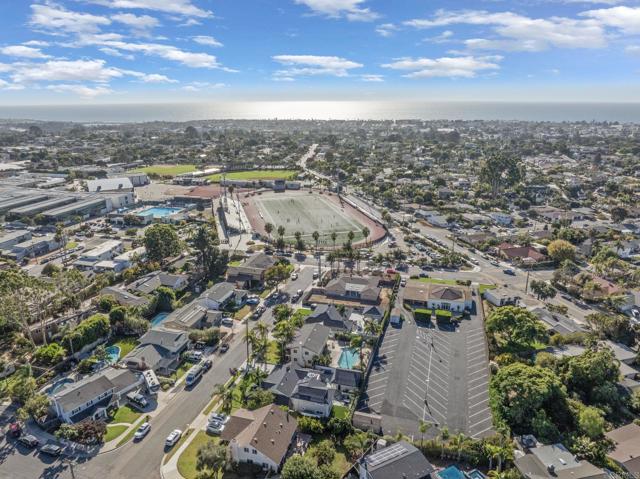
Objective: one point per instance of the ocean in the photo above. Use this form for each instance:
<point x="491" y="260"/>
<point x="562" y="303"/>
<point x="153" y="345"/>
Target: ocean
<point x="328" y="110"/>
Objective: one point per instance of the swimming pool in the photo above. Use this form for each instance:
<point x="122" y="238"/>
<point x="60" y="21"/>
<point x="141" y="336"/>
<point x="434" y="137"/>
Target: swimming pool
<point x="158" y="319"/>
<point x="348" y="358"/>
<point x="159" y="211"/>
<point x="58" y="385"/>
<point x="114" y="354"/>
<point x="451" y="472"/>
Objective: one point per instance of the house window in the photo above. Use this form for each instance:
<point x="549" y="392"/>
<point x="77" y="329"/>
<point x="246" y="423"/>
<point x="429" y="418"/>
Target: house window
<point x="246" y="449"/>
<point x="306" y="353"/>
<point x="253" y="451"/>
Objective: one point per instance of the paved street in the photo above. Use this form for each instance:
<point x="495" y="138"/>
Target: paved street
<point x="434" y="373"/>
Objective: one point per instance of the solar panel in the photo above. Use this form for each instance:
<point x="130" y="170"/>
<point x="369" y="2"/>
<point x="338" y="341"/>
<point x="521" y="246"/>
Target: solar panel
<point x="392" y="452"/>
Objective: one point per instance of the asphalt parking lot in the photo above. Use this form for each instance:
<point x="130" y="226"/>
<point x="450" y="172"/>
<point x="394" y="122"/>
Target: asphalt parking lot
<point x="436" y="373"/>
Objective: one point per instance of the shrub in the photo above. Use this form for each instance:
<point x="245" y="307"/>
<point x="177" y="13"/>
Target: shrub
<point x="310" y="425"/>
<point x="422" y="314"/>
<point x="50" y="354"/>
<point x="88" y="331"/>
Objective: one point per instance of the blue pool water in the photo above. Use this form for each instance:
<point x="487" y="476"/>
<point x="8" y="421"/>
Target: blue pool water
<point x="114" y="354"/>
<point x="159" y="211"/>
<point x="55" y="387"/>
<point x="348" y="358"/>
<point x="451" y="472"/>
<point x="158" y="318"/>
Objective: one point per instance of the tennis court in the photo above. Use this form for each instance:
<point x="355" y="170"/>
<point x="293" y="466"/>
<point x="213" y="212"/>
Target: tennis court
<point x="306" y="214"/>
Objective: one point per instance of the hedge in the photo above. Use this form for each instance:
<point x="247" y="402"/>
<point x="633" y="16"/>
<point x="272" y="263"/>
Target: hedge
<point x="88" y="331"/>
<point x="422" y="314"/>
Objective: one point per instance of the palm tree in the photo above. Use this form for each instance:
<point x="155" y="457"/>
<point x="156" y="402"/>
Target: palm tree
<point x="357" y="257"/>
<point x="316" y="237"/>
<point x="351" y="235"/>
<point x="366" y="232"/>
<point x="268" y="227"/>
<point x="281" y="231"/>
<point x="457" y="442"/>
<point x="226" y="396"/>
<point x="334" y="237"/>
<point x="492" y="451"/>
<point x="423" y="428"/>
<point x="371" y="327"/>
<point x="61" y="238"/>
<point x="284" y="331"/>
<point x="299" y="243"/>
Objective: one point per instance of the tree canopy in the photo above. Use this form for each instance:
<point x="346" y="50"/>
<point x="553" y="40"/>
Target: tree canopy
<point x="161" y="241"/>
<point x="515" y="327"/>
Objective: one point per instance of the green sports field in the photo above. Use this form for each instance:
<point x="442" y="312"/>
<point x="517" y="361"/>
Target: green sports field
<point x="166" y="170"/>
<point x="255" y="175"/>
<point x="306" y="214"/>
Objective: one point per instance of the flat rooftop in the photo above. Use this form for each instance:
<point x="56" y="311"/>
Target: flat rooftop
<point x="75" y="207"/>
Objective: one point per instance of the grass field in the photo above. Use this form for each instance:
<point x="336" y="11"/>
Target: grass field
<point x="166" y="170"/>
<point x="188" y="459"/>
<point x="306" y="214"/>
<point x="255" y="175"/>
<point x="113" y="432"/>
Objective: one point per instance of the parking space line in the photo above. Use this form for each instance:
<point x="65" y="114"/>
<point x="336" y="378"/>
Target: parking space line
<point x="479" y="412"/>
<point x="481" y="422"/>
<point x="481" y="385"/>
<point x="484" y="376"/>
<point x="477" y="394"/>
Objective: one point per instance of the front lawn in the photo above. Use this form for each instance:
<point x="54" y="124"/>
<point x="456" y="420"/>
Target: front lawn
<point x="188" y="459"/>
<point x="299" y="315"/>
<point x="126" y="414"/>
<point x="340" y="412"/>
<point x="242" y="312"/>
<point x="273" y="353"/>
<point x="181" y="371"/>
<point x="113" y="432"/>
<point x="484" y="287"/>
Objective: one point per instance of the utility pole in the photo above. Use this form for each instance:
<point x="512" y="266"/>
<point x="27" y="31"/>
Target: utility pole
<point x="526" y="287"/>
<point x="246" y="369"/>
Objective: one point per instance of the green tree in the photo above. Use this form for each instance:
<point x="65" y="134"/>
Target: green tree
<point x="300" y="467"/>
<point x="560" y="250"/>
<point x="268" y="227"/>
<point x="542" y="289"/>
<point x="166" y="299"/>
<point x="325" y="452"/>
<point x="591" y="422"/>
<point x="211" y="457"/>
<point x="515" y="327"/>
<point x="50" y="354"/>
<point x="518" y="391"/>
<point x="356" y="444"/>
<point x="161" y="241"/>
<point x="499" y="171"/>
<point x="36" y="407"/>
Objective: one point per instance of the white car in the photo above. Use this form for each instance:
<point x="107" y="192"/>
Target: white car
<point x="294" y="276"/>
<point x="142" y="431"/>
<point x="215" y="427"/>
<point x="173" y="438"/>
<point x="219" y="417"/>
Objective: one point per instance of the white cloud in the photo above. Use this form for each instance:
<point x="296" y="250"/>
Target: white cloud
<point x="22" y="52"/>
<point x="56" y="19"/>
<point x="534" y="34"/>
<point x="149" y="77"/>
<point x="349" y="9"/>
<point x="633" y="49"/>
<point x="168" y="52"/>
<point x="178" y="7"/>
<point x="36" y="43"/>
<point x="312" y="65"/>
<point x="82" y="90"/>
<point x="372" y="78"/>
<point x="626" y="19"/>
<point x="451" y="67"/>
<point x="386" y="29"/>
<point x="116" y="53"/>
<point x="140" y="24"/>
<point x="64" y="70"/>
<point x="207" y="40"/>
<point x="199" y="86"/>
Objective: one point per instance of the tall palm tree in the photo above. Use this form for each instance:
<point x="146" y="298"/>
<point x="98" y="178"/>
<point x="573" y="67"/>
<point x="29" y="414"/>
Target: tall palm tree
<point x="316" y="237"/>
<point x="226" y="396"/>
<point x="366" y="232"/>
<point x="334" y="237"/>
<point x="351" y="235"/>
<point x="423" y="428"/>
<point x="268" y="227"/>
<point x="281" y="231"/>
<point x="284" y="331"/>
<point x="457" y="442"/>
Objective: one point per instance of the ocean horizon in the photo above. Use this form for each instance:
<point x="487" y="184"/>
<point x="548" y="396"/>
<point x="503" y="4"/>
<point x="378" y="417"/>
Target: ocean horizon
<point x="327" y="110"/>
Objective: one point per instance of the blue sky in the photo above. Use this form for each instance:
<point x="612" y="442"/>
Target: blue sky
<point x="109" y="51"/>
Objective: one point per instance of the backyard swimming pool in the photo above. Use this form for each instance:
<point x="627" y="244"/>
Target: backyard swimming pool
<point x="348" y="358"/>
<point x="159" y="211"/>
<point x="114" y="354"/>
<point x="158" y="319"/>
<point x="58" y="385"/>
<point x="451" y="472"/>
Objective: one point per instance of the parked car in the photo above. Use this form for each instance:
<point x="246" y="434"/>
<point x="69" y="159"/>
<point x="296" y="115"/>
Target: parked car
<point x="224" y="348"/>
<point x="215" y="427"/>
<point x="29" y="441"/>
<point x="195" y="356"/>
<point x="142" y="431"/>
<point x="423" y="274"/>
<point x="294" y="276"/>
<point x="206" y="364"/>
<point x="315" y="275"/>
<point x="51" y="449"/>
<point x="510" y="272"/>
<point x="221" y="418"/>
<point x="137" y="399"/>
<point x="253" y="299"/>
<point x="173" y="437"/>
<point x="403" y="282"/>
<point x="228" y="322"/>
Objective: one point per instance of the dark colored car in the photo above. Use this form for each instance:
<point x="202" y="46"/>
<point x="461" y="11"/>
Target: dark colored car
<point x="29" y="441"/>
<point x="510" y="272"/>
<point x="224" y="348"/>
<point x="51" y="449"/>
<point x="206" y="364"/>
